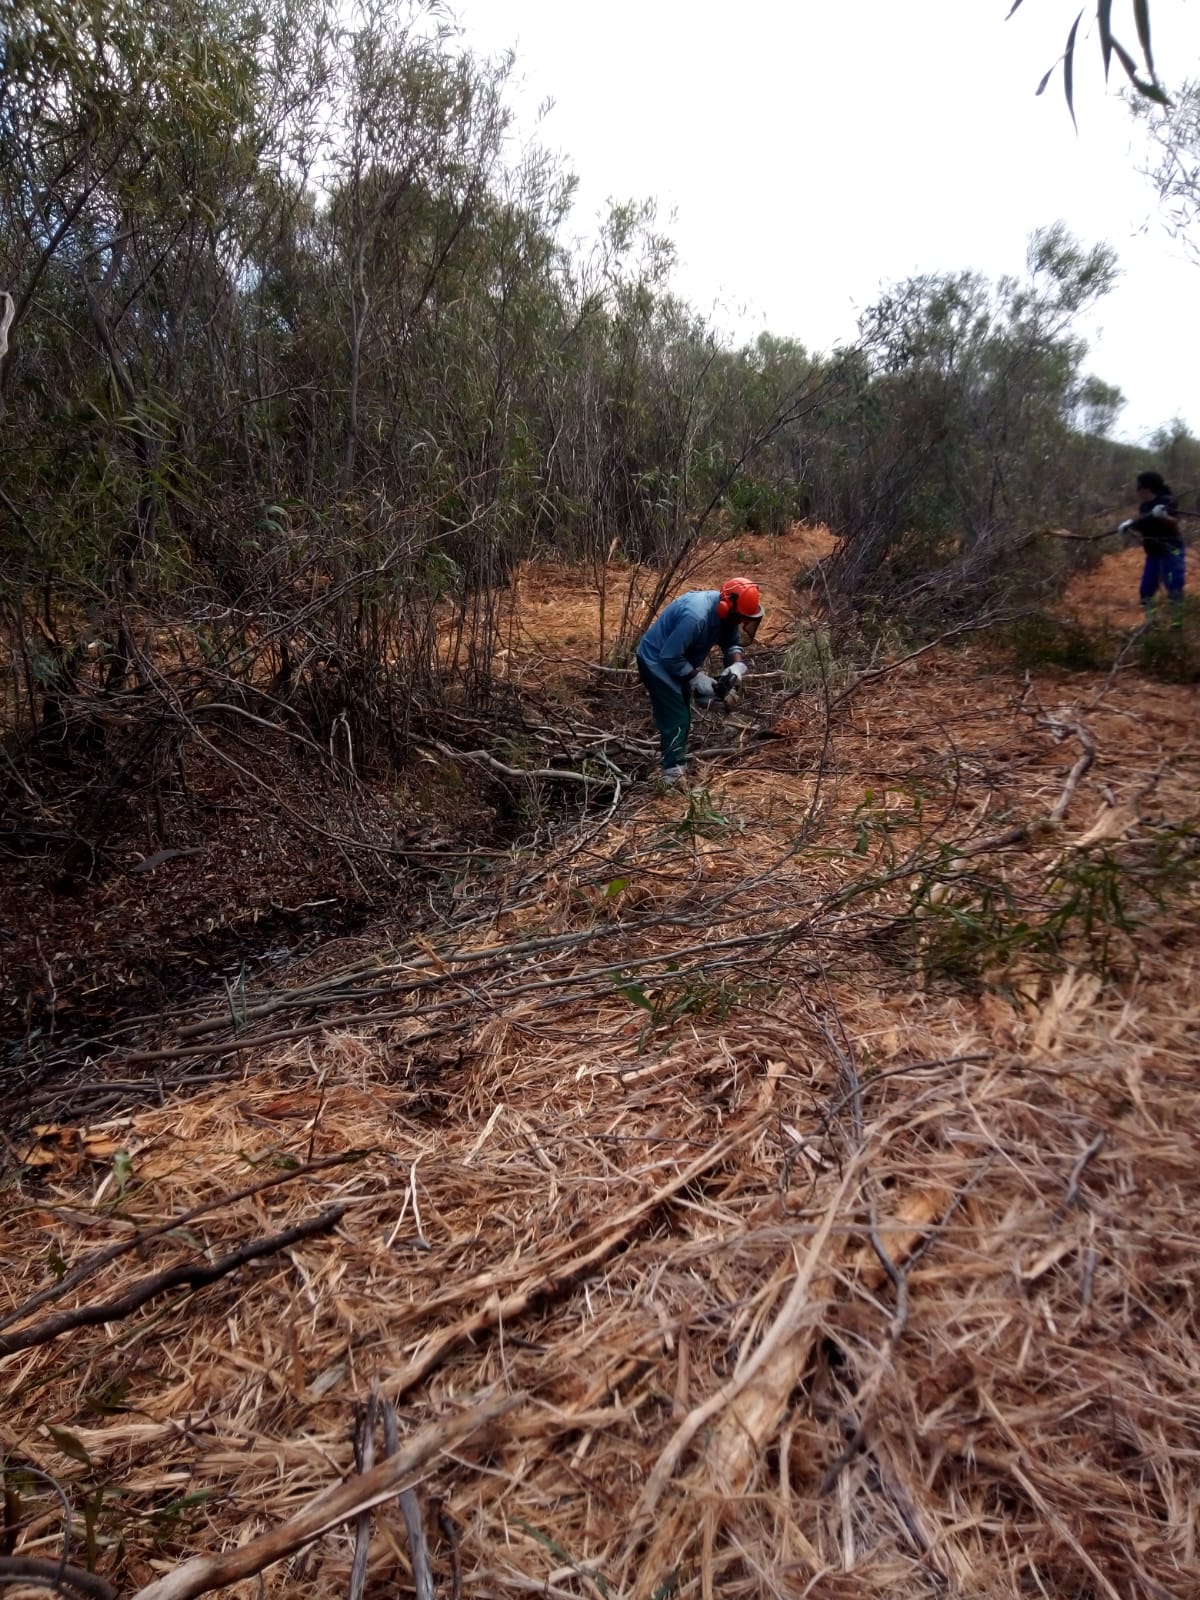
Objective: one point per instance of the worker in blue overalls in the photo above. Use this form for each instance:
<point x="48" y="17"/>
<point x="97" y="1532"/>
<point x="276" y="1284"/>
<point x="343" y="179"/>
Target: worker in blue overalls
<point x="672" y="653"/>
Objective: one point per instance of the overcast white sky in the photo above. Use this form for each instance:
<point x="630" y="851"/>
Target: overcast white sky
<point x="805" y="152"/>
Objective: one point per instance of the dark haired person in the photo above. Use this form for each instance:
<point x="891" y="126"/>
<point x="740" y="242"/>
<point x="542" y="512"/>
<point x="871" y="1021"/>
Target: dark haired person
<point x="1157" y="524"/>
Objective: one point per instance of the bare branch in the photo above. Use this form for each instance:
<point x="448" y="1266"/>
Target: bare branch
<point x="203" y="1574"/>
<point x="190" y="1277"/>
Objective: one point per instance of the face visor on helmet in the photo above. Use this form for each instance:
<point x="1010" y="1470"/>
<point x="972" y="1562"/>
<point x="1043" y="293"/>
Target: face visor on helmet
<point x="740" y="601"/>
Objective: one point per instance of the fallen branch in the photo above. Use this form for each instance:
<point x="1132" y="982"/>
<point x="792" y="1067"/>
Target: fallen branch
<point x="101" y="1258"/>
<point x="410" y="1510"/>
<point x="190" y="1277"/>
<point x="531" y="774"/>
<point x="331" y="1508"/>
<point x="1119" y="660"/>
<point x="1080" y="767"/>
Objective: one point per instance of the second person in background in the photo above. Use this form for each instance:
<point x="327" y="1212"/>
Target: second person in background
<point x="1157" y="524"/>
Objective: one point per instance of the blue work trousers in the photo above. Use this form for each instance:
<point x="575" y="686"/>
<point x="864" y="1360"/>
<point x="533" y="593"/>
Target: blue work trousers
<point x="1167" y="570"/>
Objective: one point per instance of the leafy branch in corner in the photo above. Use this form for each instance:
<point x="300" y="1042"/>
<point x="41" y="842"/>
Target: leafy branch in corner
<point x="1146" y="83"/>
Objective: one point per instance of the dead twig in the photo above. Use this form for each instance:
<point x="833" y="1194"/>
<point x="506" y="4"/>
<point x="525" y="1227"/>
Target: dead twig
<point x="203" y="1574"/>
<point x="364" y="1460"/>
<point x="188" y="1276"/>
<point x="453" y="1536"/>
<point x="897" y="1274"/>
<point x="410" y="1510"/>
<point x="530" y="774"/>
<point x="1079" y="1168"/>
<point x="100" y="1258"/>
<point x="1077" y="771"/>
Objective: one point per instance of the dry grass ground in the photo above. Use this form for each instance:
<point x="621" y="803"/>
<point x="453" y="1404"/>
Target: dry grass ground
<point x="808" y="1163"/>
<point x="1109" y="595"/>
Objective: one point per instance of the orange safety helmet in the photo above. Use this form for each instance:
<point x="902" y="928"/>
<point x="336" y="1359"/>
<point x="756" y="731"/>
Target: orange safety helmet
<point x="740" y="597"/>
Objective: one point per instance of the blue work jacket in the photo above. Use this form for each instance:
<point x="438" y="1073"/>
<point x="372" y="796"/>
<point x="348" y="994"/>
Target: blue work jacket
<point x="677" y="642"/>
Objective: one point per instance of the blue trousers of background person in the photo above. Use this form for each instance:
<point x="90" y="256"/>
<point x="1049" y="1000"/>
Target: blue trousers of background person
<point x="1166" y="569"/>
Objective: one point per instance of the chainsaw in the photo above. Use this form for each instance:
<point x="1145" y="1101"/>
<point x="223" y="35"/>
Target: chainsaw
<point x="728" y="681"/>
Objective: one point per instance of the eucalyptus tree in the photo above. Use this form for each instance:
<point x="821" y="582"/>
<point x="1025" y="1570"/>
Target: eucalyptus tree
<point x="957" y="441"/>
<point x="1175" y="136"/>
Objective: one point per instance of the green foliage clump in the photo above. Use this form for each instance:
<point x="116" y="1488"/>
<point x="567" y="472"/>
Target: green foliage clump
<point x="812" y="662"/>
<point x="1165" y="646"/>
<point x="971" y="926"/>
<point x="1045" y="639"/>
<point x="968" y="426"/>
<point x="1169" y="647"/>
<point x="828" y="657"/>
<point x="757" y="505"/>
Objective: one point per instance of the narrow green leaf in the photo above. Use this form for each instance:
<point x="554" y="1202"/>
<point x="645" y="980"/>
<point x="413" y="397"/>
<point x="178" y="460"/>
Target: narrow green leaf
<point x="1104" y="17"/>
<point x="1069" y="70"/>
<point x="1152" y="91"/>
<point x="201" y="1497"/>
<point x="122" y="1170"/>
<point x="1126" y="60"/>
<point x="557" y="1550"/>
<point x="615" y="888"/>
<point x="1141" y="10"/>
<point x="69" y="1444"/>
<point x="188" y="1237"/>
<point x="636" y="995"/>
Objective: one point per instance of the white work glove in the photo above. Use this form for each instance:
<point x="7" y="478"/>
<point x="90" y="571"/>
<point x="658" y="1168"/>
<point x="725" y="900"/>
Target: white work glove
<point x="703" y="688"/>
<point x="1126" y="526"/>
<point x="1160" y="511"/>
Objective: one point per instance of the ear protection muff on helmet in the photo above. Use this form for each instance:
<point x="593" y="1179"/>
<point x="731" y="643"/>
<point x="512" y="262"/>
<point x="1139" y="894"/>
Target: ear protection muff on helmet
<point x="739" y="598"/>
